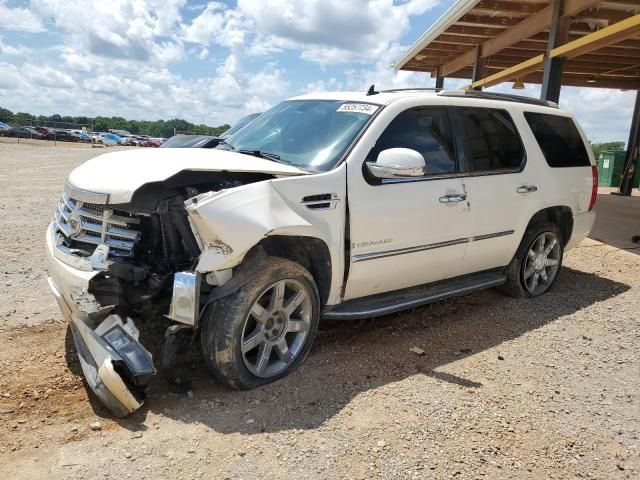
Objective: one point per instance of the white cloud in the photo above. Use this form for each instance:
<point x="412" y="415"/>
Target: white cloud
<point x="325" y="31"/>
<point x="121" y="29"/>
<point x="269" y="82"/>
<point x="330" y="85"/>
<point x="14" y="50"/>
<point x="380" y="74"/>
<point x="79" y="61"/>
<point x="46" y="76"/>
<point x="207" y="25"/>
<point x="203" y="53"/>
<point x="19" y="19"/>
<point x="9" y="78"/>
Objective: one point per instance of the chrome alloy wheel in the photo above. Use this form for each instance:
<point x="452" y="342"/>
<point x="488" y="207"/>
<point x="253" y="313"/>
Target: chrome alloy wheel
<point x="276" y="328"/>
<point x="542" y="263"/>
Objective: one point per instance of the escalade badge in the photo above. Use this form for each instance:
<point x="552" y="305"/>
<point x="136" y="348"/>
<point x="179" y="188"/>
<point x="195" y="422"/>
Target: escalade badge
<point x="371" y="243"/>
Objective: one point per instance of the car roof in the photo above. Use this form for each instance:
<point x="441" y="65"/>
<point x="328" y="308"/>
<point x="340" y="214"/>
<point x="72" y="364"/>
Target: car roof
<point x="449" y="97"/>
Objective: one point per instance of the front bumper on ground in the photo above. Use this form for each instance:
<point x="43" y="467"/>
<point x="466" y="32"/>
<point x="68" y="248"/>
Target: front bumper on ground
<point x="116" y="366"/>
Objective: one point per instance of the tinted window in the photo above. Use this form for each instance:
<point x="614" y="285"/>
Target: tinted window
<point x="425" y="130"/>
<point x="492" y="140"/>
<point x="559" y="140"/>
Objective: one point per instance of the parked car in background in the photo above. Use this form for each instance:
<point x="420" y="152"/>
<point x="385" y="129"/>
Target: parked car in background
<point x="81" y="136"/>
<point x="144" y="141"/>
<point x="45" y="131"/>
<point x="120" y="133"/>
<point x="61" y="135"/>
<point x="191" y="141"/>
<point x="207" y="141"/>
<point x="136" y="141"/>
<point x="4" y="127"/>
<point x="108" y="139"/>
<point x="126" y="140"/>
<point x="24" y="132"/>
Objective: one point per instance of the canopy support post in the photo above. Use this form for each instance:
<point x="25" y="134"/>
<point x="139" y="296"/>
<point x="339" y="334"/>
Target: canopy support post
<point x="633" y="150"/>
<point x="553" y="67"/>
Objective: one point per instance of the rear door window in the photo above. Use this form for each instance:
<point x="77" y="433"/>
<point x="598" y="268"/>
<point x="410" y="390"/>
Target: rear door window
<point x="559" y="140"/>
<point x="492" y="140"/>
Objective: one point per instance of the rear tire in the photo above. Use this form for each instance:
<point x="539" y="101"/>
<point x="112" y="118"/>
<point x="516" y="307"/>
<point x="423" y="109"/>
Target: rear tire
<point x="536" y="264"/>
<point x="264" y="330"/>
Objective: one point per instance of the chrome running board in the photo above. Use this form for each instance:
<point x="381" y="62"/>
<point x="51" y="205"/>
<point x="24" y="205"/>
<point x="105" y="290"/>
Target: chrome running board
<point x="398" y="300"/>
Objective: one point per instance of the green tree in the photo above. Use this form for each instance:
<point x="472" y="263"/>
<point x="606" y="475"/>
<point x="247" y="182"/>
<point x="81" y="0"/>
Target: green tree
<point x="153" y="128"/>
<point x="598" y="148"/>
<point x="22" y="118"/>
<point x="6" y="115"/>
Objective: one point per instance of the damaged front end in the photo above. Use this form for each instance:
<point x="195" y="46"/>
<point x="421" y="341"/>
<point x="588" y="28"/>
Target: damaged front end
<point x="116" y="366"/>
<point x="112" y="264"/>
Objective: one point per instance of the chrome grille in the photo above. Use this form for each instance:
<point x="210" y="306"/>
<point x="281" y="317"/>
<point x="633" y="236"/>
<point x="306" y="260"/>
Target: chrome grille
<point x="80" y="227"/>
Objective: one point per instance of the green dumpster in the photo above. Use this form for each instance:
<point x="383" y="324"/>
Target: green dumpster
<point x="610" y="168"/>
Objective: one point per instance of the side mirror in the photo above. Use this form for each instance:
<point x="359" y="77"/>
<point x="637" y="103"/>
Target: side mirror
<point x="398" y="163"/>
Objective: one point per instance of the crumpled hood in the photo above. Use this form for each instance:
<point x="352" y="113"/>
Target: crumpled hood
<point x="120" y="174"/>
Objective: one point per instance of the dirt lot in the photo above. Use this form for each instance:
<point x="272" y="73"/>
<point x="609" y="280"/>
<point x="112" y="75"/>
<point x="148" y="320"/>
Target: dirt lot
<point x="508" y="388"/>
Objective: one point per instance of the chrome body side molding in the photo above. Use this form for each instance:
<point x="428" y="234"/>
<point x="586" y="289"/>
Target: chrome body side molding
<point x="420" y="248"/>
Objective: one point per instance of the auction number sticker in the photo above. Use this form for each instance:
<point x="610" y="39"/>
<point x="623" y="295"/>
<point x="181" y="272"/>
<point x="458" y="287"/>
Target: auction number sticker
<point x="366" y="108"/>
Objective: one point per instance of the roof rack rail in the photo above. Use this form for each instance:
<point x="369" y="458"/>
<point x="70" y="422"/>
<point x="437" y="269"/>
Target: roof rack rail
<point x="506" y="97"/>
<point x="428" y="89"/>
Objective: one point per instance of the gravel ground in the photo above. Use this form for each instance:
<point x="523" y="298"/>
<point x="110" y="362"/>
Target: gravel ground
<point x="507" y="388"/>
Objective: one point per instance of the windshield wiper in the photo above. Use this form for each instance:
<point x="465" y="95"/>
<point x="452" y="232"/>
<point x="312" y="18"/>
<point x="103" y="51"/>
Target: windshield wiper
<point x="267" y="155"/>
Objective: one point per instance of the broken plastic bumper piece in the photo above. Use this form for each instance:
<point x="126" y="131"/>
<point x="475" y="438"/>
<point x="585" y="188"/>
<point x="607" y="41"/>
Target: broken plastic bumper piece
<point x="116" y="366"/>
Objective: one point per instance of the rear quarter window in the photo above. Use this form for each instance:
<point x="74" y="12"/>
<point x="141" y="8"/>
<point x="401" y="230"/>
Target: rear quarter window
<point x="559" y="140"/>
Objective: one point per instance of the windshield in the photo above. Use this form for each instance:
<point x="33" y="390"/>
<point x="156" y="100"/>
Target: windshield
<point x="311" y="134"/>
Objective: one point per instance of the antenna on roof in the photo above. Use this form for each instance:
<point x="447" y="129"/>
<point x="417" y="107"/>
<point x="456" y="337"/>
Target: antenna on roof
<point x="372" y="90"/>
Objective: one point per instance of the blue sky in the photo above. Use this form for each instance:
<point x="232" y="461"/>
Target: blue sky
<point x="150" y="59"/>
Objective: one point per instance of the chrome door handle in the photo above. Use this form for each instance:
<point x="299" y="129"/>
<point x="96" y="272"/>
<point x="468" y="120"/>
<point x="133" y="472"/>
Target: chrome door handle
<point x="454" y="197"/>
<point x="527" y="189"/>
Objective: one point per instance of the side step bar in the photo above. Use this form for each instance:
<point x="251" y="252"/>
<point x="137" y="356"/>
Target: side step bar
<point x="398" y="300"/>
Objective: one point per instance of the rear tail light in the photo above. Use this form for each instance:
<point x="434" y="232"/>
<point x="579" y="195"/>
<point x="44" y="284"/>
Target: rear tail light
<point x="594" y="186"/>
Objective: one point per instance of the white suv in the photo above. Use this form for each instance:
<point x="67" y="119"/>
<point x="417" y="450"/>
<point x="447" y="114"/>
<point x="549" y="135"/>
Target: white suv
<point x="335" y="205"/>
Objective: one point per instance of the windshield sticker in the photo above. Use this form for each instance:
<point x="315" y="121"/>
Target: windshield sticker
<point x="366" y="108"/>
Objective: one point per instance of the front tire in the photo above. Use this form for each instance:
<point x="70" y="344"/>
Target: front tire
<point x="264" y="330"/>
<point x="536" y="264"/>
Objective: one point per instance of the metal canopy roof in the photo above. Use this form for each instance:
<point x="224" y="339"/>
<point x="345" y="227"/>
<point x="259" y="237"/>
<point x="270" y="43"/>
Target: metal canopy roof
<point x="510" y="38"/>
